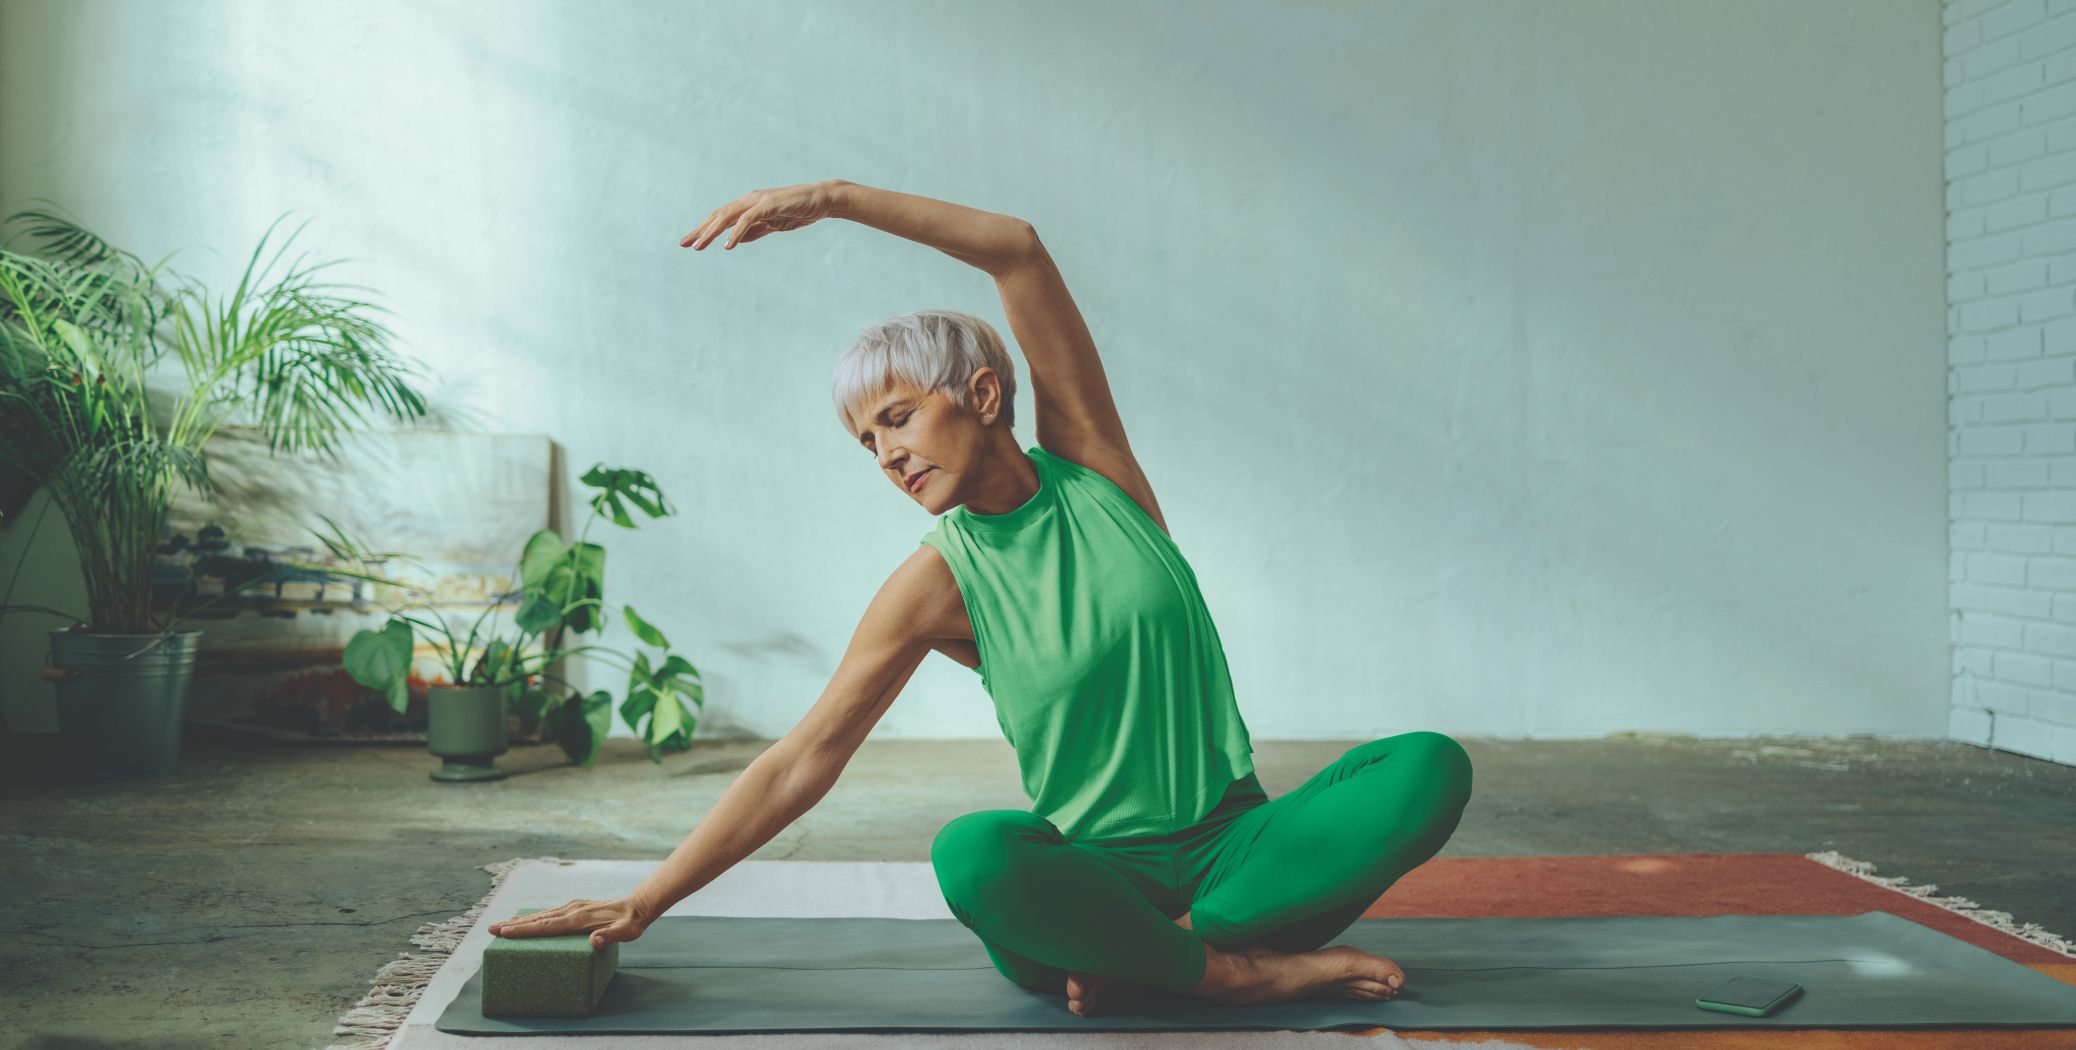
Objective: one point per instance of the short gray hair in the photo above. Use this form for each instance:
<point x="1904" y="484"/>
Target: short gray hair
<point x="927" y="349"/>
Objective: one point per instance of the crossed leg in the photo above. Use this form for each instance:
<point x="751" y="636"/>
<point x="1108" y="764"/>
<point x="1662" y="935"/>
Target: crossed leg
<point x="1292" y="874"/>
<point x="1030" y="895"/>
<point x="1299" y="869"/>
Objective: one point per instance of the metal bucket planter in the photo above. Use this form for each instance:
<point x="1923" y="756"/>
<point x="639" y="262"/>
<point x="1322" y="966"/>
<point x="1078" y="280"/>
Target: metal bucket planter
<point x="465" y="725"/>
<point x="121" y="700"/>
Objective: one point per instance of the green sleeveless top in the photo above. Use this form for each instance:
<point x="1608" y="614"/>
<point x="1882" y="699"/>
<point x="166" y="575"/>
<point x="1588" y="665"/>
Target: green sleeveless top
<point x="1095" y="645"/>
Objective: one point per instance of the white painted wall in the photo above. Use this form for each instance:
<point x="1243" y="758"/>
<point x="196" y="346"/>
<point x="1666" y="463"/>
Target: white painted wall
<point x="2011" y="326"/>
<point x="1531" y="368"/>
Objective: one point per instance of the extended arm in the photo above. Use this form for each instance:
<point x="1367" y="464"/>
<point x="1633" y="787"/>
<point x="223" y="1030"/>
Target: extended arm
<point x="904" y="621"/>
<point x="790" y="777"/>
<point x="989" y="240"/>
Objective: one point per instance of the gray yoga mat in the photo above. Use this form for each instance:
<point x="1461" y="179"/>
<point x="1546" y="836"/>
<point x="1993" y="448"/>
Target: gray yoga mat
<point x="712" y="973"/>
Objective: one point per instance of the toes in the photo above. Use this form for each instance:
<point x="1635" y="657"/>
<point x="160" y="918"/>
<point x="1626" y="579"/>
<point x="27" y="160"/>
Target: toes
<point x="1379" y="991"/>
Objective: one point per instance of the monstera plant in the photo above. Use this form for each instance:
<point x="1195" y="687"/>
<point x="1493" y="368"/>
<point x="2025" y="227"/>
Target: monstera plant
<point x="559" y="599"/>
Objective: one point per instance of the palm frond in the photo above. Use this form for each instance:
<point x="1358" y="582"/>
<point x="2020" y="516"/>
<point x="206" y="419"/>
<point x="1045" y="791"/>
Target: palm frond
<point x="81" y="328"/>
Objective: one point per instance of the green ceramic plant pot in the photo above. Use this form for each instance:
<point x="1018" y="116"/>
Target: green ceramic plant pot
<point x="465" y="725"/>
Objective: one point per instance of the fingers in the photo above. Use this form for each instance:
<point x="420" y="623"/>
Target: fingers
<point x="718" y="220"/>
<point x="710" y="229"/>
<point x="535" y="925"/>
<point x="606" y="921"/>
<point x="700" y="237"/>
<point x="695" y="240"/>
<point x="738" y="217"/>
<point x="735" y="235"/>
<point x="563" y="919"/>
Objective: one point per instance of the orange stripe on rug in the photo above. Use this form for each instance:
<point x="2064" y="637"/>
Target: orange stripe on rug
<point x="1702" y="884"/>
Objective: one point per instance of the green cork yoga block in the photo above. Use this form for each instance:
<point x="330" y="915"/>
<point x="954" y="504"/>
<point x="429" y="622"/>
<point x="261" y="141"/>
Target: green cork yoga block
<point x="546" y="976"/>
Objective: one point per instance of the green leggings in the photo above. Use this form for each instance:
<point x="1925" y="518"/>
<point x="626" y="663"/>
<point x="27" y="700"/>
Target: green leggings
<point x="1290" y="874"/>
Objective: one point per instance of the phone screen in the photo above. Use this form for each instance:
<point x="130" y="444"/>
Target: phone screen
<point x="1754" y="992"/>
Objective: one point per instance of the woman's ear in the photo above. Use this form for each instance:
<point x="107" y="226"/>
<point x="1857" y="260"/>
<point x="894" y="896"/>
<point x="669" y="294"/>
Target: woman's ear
<point x="986" y="394"/>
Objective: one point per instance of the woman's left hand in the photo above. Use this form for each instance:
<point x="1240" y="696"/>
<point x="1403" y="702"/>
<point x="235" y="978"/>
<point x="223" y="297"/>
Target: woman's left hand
<point x="606" y="921"/>
<point x="759" y="212"/>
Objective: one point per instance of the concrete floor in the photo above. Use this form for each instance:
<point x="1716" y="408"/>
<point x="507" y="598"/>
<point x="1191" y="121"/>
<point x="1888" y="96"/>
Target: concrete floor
<point x="247" y="900"/>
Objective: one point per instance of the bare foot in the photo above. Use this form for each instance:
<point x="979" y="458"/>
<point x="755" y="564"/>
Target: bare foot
<point x="1255" y="974"/>
<point x="1090" y="994"/>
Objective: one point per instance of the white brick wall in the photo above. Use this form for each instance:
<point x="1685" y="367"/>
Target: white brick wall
<point x="2011" y="371"/>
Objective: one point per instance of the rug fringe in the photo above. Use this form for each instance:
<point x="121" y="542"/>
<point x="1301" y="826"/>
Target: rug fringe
<point x="1998" y="920"/>
<point x="375" y="1020"/>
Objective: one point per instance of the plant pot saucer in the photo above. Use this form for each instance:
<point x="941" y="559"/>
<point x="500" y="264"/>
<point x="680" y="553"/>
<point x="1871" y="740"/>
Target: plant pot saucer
<point x="468" y="768"/>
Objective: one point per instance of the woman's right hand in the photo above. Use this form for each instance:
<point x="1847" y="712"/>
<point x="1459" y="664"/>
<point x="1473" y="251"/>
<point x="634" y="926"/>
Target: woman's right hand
<point x="759" y="212"/>
<point x="623" y="919"/>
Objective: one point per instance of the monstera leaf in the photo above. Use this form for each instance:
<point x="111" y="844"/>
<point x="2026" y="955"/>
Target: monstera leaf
<point x="581" y="724"/>
<point x="617" y="488"/>
<point x="658" y="693"/>
<point x="531" y="703"/>
<point x="556" y="577"/>
<point x="382" y="660"/>
<point x="643" y="629"/>
<point x="543" y="550"/>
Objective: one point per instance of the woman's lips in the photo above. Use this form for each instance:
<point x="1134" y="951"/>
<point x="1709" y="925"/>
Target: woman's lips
<point x="921" y="480"/>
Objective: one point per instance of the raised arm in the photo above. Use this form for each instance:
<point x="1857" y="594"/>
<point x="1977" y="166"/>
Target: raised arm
<point x="1077" y="417"/>
<point x="988" y="240"/>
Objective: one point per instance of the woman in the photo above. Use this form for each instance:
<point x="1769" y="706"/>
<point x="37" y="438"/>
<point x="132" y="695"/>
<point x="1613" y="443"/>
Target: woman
<point x="1151" y="858"/>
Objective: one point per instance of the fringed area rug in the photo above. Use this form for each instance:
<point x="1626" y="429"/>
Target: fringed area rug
<point x="408" y="993"/>
<point x="375" y="1020"/>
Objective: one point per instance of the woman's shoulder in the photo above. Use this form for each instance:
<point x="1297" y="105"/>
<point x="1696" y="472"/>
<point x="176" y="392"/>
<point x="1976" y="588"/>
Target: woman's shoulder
<point x="927" y="591"/>
<point x="1109" y="471"/>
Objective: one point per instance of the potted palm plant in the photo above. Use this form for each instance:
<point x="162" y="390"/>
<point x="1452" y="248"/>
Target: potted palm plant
<point x="83" y="328"/>
<point x="496" y="671"/>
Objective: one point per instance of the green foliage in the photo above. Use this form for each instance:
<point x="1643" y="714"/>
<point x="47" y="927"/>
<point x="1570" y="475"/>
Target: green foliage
<point x="659" y="694"/>
<point x="531" y="702"/>
<point x="642" y="629"/>
<point x="382" y="660"/>
<point x="81" y="326"/>
<point x="617" y="488"/>
<point x="564" y="585"/>
<point x="561" y="595"/>
<point x="581" y="724"/>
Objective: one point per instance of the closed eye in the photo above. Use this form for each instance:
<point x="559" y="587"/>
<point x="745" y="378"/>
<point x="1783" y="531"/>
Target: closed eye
<point x="902" y="422"/>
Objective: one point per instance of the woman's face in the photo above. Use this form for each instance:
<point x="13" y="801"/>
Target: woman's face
<point x="921" y="440"/>
<point x="925" y="443"/>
